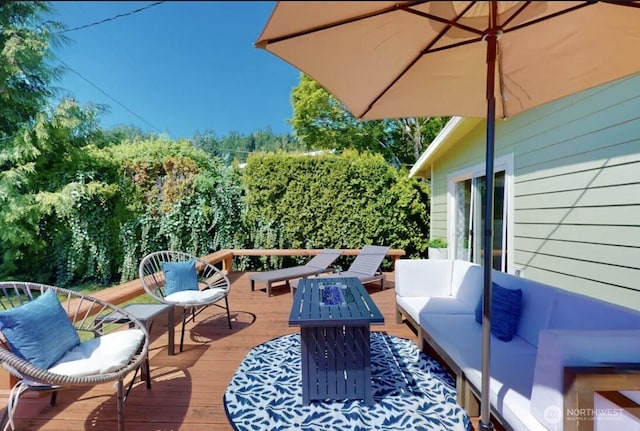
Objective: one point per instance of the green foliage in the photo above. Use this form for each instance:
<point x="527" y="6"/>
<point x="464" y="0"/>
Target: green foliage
<point x="438" y="243"/>
<point x="25" y="76"/>
<point x="180" y="199"/>
<point x="346" y="201"/>
<point x="236" y="147"/>
<point x="83" y="205"/>
<point x="72" y="212"/>
<point x="321" y="121"/>
<point x="47" y="169"/>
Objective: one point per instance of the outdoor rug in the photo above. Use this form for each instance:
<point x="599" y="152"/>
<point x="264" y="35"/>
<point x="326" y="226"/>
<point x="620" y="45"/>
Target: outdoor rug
<point x="410" y="391"/>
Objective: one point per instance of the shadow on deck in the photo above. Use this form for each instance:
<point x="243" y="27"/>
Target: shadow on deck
<point x="187" y="388"/>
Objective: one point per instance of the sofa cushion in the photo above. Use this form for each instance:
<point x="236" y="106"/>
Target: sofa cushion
<point x="537" y="304"/>
<point x="560" y="348"/>
<point x="570" y="309"/>
<point x="423" y="277"/>
<point x="505" y="311"/>
<point x="511" y="381"/>
<point x="412" y="305"/>
<point x="466" y="282"/>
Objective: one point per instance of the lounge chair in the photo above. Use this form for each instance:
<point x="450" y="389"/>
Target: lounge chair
<point x="319" y="264"/>
<point x="365" y="267"/>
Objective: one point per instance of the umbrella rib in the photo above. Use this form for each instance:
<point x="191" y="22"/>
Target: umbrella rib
<point x="449" y="24"/>
<point x="547" y="17"/>
<point x="622" y="3"/>
<point x="515" y="14"/>
<point x="263" y="43"/>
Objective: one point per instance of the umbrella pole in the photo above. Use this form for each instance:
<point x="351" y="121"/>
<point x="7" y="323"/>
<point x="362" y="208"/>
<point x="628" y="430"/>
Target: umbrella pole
<point x="492" y="47"/>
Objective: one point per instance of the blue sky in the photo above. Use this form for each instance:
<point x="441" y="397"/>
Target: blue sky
<point x="178" y="67"/>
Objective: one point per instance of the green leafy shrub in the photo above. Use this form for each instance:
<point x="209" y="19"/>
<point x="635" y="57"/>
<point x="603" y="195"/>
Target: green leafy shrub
<point x="345" y="201"/>
<point x="438" y="243"/>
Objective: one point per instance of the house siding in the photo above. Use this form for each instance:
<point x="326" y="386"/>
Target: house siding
<point x="576" y="190"/>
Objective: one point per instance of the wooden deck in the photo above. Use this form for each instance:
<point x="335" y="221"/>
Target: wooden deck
<point x="187" y="388"/>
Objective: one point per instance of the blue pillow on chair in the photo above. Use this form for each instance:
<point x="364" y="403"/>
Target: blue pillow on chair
<point x="505" y="311"/>
<point x="39" y="331"/>
<point x="179" y="276"/>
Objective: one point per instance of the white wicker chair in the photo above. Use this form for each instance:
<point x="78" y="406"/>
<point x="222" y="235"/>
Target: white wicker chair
<point x="82" y="311"/>
<point x="213" y="284"/>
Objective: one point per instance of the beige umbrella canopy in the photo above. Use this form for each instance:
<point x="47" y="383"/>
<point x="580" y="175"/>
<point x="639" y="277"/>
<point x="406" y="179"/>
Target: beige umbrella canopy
<point x="483" y="59"/>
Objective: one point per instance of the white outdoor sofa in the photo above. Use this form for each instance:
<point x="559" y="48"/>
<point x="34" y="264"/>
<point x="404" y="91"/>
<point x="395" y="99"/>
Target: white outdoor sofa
<point x="556" y="329"/>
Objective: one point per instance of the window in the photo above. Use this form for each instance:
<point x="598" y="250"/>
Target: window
<point x="466" y="203"/>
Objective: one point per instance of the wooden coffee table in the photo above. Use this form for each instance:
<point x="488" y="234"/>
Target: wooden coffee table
<point x="334" y="315"/>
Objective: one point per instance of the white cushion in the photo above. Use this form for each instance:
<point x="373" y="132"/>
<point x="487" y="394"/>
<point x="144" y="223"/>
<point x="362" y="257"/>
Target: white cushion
<point x="467" y="282"/>
<point x="570" y="309"/>
<point x="560" y="348"/>
<point x="423" y="277"/>
<point x="412" y="305"/>
<point x="100" y="355"/>
<point x="537" y="304"/>
<point x="448" y="305"/>
<point x="510" y="383"/>
<point x="195" y="296"/>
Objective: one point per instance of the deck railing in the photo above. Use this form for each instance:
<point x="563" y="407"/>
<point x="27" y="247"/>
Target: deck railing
<point x="132" y="289"/>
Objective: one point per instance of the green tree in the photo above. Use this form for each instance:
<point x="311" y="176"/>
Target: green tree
<point x="55" y="192"/>
<point x="25" y="74"/>
<point x="321" y="121"/>
<point x="236" y="147"/>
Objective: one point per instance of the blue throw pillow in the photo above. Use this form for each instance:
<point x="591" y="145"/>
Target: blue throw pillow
<point x="39" y="331"/>
<point x="179" y="276"/>
<point x="506" y="305"/>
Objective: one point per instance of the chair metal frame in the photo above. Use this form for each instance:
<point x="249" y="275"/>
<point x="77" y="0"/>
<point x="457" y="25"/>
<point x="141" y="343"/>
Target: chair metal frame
<point x="209" y="277"/>
<point x="83" y="311"/>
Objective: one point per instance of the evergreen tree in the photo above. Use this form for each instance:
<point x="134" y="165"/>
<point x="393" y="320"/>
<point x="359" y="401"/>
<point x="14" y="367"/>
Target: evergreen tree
<point x="25" y="74"/>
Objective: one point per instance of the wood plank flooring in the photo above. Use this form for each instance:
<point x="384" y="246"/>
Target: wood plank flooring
<point x="187" y="388"/>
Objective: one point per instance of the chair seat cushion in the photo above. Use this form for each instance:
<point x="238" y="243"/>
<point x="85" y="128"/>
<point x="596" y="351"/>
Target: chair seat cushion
<point x="187" y="297"/>
<point x="100" y="355"/>
<point x="180" y="276"/>
<point x="40" y="330"/>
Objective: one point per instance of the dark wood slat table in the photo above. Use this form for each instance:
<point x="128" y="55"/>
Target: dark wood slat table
<point x="334" y="315"/>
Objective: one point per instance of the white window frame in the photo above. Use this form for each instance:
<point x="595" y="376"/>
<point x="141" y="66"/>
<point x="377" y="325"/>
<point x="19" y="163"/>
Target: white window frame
<point x="502" y="163"/>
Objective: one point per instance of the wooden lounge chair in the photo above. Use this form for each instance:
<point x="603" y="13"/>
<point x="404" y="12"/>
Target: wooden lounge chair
<point x="365" y="267"/>
<point x="319" y="264"/>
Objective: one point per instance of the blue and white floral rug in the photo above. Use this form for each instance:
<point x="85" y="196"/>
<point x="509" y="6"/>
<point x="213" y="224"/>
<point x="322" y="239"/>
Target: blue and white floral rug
<point x="410" y="391"/>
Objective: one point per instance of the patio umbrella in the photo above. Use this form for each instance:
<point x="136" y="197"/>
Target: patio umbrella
<point x="487" y="59"/>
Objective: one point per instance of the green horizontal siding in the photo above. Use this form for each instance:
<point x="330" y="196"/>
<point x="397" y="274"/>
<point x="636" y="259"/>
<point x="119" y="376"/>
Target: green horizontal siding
<point x="576" y="189"/>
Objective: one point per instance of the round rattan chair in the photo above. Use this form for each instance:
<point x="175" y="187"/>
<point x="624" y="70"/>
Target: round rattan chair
<point x="83" y="312"/>
<point x="213" y="286"/>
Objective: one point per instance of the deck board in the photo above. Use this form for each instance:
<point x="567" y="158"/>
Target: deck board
<point x="187" y="388"/>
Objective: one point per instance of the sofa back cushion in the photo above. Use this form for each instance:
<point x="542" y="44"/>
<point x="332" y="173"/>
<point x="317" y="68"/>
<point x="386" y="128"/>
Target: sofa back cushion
<point x="575" y="311"/>
<point x="537" y="304"/>
<point x="466" y="283"/>
<point x="423" y="277"/>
